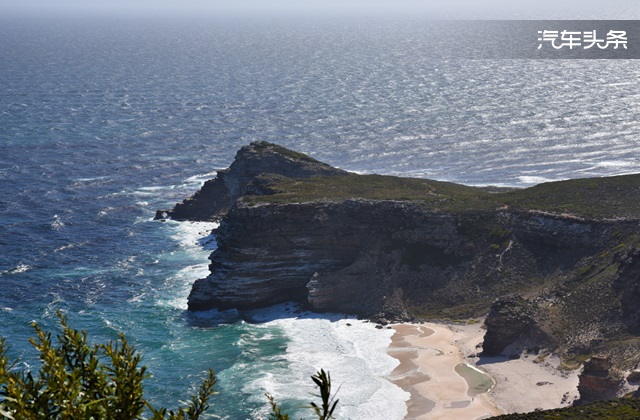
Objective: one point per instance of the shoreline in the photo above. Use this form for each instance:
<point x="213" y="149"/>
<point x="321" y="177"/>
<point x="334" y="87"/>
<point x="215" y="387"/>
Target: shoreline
<point x="429" y="354"/>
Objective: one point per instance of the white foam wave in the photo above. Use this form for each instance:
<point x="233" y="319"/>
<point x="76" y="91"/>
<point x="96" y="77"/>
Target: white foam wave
<point x="196" y="242"/>
<point x="21" y="268"/>
<point x="201" y="178"/>
<point x="191" y="234"/>
<point x="56" y="223"/>
<point x="616" y="164"/>
<point x="355" y="354"/>
<point x="534" y="180"/>
<point x="160" y="190"/>
<point x="182" y="282"/>
<point x="105" y="211"/>
<point x="153" y="191"/>
<point x="70" y="246"/>
<point x="126" y="263"/>
<point x="97" y="178"/>
<point x="63" y="247"/>
<point x="138" y="298"/>
<point x="142" y="193"/>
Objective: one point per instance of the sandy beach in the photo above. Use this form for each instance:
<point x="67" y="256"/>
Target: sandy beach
<point x="430" y="354"/>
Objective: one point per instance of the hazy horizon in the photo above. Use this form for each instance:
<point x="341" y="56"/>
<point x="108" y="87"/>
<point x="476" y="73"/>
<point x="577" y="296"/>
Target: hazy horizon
<point x="467" y="9"/>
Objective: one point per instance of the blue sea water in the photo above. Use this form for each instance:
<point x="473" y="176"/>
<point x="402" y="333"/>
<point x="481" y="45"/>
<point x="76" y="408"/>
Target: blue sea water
<point x="104" y="121"/>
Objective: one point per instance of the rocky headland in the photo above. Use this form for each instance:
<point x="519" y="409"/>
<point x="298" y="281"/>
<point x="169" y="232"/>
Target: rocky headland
<point x="555" y="266"/>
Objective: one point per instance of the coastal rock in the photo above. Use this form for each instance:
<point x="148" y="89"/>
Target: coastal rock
<point x="218" y="195"/>
<point x="599" y="380"/>
<point x="511" y="320"/>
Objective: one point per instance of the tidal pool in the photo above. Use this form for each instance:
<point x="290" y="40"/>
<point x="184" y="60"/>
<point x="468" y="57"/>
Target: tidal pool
<point x="478" y="381"/>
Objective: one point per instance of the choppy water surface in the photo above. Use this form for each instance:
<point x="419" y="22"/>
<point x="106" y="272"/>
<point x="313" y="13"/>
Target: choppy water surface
<point x="103" y="122"/>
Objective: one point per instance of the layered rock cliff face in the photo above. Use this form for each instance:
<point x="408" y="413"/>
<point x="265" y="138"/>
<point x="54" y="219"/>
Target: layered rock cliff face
<point x="599" y="380"/>
<point x="352" y="256"/>
<point x="365" y="257"/>
<point x="294" y="229"/>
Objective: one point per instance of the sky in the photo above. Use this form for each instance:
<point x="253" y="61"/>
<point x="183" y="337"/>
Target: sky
<point x="522" y="9"/>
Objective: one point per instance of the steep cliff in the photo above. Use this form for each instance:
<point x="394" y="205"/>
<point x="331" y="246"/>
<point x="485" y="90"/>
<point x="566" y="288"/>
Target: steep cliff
<point x="368" y="256"/>
<point x="294" y="229"/>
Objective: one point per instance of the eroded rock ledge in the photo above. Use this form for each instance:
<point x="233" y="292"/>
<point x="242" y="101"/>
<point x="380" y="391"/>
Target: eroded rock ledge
<point x="295" y="229"/>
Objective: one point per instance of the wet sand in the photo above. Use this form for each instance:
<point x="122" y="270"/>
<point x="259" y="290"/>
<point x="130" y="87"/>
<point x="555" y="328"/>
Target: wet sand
<point x="428" y="355"/>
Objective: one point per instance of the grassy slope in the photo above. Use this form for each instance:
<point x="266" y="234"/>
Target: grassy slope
<point x="433" y="194"/>
<point x="612" y="197"/>
<point x="617" y="196"/>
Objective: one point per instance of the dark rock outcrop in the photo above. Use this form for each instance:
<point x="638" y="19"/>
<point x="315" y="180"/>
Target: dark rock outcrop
<point x="218" y="195"/>
<point x="511" y="320"/>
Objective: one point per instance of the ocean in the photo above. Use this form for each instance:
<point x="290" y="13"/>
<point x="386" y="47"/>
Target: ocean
<point x="104" y="121"/>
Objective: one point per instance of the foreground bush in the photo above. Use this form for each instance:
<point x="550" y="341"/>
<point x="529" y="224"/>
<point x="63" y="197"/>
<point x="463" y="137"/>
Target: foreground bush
<point x="105" y="381"/>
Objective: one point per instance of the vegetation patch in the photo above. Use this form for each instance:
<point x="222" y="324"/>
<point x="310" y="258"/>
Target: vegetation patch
<point x="429" y="194"/>
<point x="610" y="197"/>
<point x="499" y="237"/>
<point x="619" y="409"/>
<point x="597" y="198"/>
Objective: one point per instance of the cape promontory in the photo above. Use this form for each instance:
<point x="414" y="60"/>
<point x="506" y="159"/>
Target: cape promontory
<point x="556" y="265"/>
